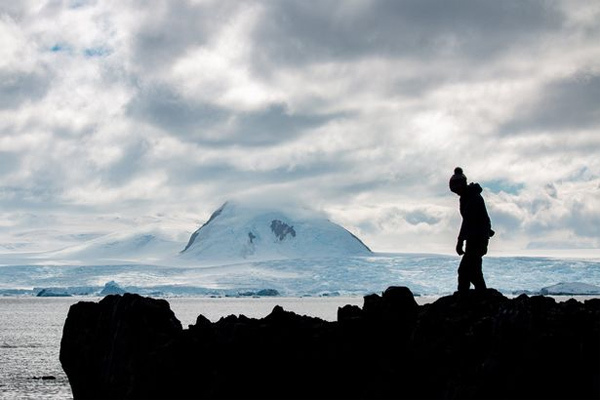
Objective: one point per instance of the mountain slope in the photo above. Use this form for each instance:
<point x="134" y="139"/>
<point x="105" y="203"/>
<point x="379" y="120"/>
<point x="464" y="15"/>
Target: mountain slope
<point x="138" y="245"/>
<point x="241" y="232"/>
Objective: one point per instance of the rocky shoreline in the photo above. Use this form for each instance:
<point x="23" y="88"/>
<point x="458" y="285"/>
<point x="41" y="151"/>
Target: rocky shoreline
<point x="471" y="346"/>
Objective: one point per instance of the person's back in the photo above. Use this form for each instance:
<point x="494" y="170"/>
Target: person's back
<point x="476" y="221"/>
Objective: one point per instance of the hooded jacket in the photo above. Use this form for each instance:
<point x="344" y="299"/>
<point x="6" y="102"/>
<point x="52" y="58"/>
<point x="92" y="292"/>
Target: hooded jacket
<point x="476" y="224"/>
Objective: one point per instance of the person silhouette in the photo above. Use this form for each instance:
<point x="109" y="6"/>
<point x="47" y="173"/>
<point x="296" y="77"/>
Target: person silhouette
<point x="475" y="230"/>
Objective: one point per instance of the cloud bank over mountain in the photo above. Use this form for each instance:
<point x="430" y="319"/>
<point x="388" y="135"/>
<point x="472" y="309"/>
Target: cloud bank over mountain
<point x="121" y="115"/>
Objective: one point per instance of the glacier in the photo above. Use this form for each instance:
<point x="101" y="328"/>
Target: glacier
<point x="253" y="250"/>
<point x="425" y="274"/>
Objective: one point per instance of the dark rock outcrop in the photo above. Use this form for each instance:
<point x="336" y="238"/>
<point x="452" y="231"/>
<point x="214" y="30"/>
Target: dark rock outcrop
<point x="281" y="230"/>
<point x="471" y="346"/>
<point x="110" y="349"/>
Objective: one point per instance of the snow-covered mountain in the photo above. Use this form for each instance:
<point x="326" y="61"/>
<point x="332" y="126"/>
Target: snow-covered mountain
<point x="235" y="232"/>
<point x="136" y="245"/>
<point x="242" y="232"/>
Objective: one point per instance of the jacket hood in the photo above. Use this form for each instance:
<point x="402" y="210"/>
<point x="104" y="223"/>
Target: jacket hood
<point x="474" y="188"/>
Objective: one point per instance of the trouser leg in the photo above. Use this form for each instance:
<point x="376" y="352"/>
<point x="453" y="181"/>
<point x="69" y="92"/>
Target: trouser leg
<point x="470" y="268"/>
<point x="464" y="279"/>
<point x="477" y="273"/>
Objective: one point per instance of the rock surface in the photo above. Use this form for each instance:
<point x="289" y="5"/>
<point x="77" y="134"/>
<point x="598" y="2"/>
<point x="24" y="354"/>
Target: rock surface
<point x="473" y="346"/>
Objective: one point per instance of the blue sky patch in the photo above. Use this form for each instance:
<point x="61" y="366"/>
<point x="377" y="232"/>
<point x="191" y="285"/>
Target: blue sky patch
<point x="96" y="52"/>
<point x="58" y="47"/>
<point x="79" y="3"/>
<point x="500" y="185"/>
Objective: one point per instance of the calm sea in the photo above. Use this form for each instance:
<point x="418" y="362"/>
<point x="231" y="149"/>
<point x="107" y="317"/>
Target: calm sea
<point x="31" y="329"/>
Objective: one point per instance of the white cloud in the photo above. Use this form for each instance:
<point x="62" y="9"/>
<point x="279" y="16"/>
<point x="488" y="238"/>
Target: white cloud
<point x="219" y="70"/>
<point x="359" y="108"/>
<point x="14" y="48"/>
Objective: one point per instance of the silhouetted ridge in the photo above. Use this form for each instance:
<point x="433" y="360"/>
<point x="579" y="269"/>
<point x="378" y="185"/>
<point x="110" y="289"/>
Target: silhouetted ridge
<point x="474" y="345"/>
<point x="358" y="239"/>
<point x="212" y="217"/>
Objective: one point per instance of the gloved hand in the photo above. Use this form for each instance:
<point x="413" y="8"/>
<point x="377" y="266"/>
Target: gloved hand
<point x="459" y="248"/>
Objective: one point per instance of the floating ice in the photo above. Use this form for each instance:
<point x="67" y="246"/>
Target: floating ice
<point x="571" y="288"/>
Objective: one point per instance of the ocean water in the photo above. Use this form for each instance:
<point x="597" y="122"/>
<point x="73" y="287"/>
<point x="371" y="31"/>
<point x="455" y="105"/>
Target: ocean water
<point x="31" y="330"/>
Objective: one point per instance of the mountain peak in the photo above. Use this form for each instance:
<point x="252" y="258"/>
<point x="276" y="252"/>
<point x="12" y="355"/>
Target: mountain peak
<point x="238" y="231"/>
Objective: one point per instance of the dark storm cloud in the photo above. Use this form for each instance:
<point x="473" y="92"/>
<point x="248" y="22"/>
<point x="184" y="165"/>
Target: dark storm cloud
<point x="224" y="174"/>
<point x="503" y="220"/>
<point x="17" y="88"/>
<point x="185" y="172"/>
<point x="168" y="31"/>
<point x="275" y="124"/>
<point x="16" y="10"/>
<point x="224" y="182"/>
<point x="566" y="104"/>
<point x="582" y="218"/>
<point x="585" y="219"/>
<point x="40" y="197"/>
<point x="417" y="86"/>
<point x="131" y="163"/>
<point x="9" y="162"/>
<point x="348" y="188"/>
<point x="162" y="107"/>
<point x="296" y="32"/>
<point x="203" y="122"/>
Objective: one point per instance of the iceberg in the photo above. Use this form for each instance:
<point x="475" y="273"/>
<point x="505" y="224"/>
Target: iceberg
<point x="52" y="293"/>
<point x="571" y="288"/>
<point x="112" y="288"/>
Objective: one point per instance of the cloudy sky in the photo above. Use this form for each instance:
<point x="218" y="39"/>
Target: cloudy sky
<point x="124" y="114"/>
